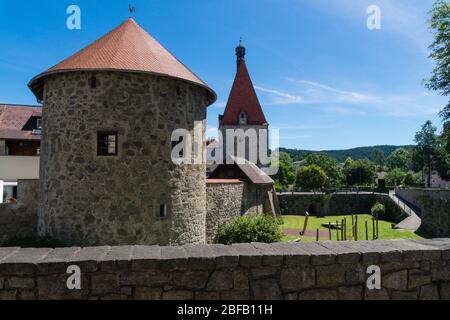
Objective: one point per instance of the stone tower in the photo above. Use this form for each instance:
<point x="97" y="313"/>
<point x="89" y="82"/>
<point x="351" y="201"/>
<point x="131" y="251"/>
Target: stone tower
<point x="243" y="111"/>
<point x="107" y="177"/>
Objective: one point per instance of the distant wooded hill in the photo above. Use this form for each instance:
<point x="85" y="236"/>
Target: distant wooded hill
<point x="342" y="155"/>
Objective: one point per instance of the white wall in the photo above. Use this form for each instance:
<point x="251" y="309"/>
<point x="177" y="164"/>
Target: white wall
<point x="13" y="168"/>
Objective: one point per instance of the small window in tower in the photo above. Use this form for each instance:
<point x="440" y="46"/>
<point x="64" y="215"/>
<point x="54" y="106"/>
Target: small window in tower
<point x="163" y="211"/>
<point x="39" y="123"/>
<point x="93" y="82"/>
<point x="107" y="143"/>
<point x="242" y="118"/>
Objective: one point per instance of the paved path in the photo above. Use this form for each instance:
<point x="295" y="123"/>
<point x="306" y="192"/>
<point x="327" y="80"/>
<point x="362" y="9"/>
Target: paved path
<point x="412" y="222"/>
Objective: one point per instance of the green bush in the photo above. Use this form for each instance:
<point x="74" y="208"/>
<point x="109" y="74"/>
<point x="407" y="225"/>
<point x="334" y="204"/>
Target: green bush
<point x="249" y="229"/>
<point x="379" y="210"/>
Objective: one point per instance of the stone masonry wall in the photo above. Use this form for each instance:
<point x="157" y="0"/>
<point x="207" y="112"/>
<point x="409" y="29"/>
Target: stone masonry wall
<point x="435" y="209"/>
<point x="115" y="200"/>
<point x="223" y="201"/>
<point x="336" y="204"/>
<point x="20" y="220"/>
<point x="325" y="270"/>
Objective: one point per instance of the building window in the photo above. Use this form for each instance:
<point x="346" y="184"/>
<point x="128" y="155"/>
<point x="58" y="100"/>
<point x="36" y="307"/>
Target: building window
<point x="39" y="123"/>
<point x="93" y="82"/>
<point x="163" y="211"/>
<point x="107" y="143"/>
<point x="242" y="118"/>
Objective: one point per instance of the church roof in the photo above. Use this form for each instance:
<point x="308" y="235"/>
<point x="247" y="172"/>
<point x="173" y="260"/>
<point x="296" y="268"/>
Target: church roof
<point x="243" y="99"/>
<point x="126" y="48"/>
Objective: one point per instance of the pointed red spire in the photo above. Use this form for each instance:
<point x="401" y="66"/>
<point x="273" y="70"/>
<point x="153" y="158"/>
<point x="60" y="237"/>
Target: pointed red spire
<point x="243" y="99"/>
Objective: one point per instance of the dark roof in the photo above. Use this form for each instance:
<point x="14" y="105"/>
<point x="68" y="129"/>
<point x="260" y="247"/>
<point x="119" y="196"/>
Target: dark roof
<point x="126" y="48"/>
<point x="248" y="169"/>
<point x="14" y="117"/>
<point x="243" y="98"/>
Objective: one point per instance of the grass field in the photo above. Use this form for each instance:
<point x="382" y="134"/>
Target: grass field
<point x="385" y="228"/>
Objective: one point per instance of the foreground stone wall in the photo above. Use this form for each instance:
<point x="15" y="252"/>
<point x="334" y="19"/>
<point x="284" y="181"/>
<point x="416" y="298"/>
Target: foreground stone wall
<point x="325" y="270"/>
<point x="223" y="201"/>
<point x="336" y="204"/>
<point x="435" y="209"/>
<point x="20" y="220"/>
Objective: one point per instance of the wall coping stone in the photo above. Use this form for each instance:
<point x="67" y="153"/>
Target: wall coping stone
<point x="253" y="255"/>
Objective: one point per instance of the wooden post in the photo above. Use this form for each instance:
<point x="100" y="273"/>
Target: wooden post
<point x="317" y="235"/>
<point x="330" y="236"/>
<point x="345" y="229"/>
<point x="367" y="231"/>
<point x="342" y="230"/>
<point x="353" y="226"/>
<point x="337" y="230"/>
<point x="373" y="229"/>
<point x="356" y="228"/>
<point x="378" y="235"/>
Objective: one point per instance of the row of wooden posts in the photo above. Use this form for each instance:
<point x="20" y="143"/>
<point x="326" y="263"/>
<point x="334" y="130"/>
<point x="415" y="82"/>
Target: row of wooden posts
<point x="341" y="234"/>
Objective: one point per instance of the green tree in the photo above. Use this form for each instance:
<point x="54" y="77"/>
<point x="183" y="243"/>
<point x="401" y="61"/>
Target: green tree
<point x="379" y="158"/>
<point x="413" y="179"/>
<point x="360" y="172"/>
<point x="440" y="52"/>
<point x="442" y="158"/>
<point x="426" y="151"/>
<point x="285" y="176"/>
<point x="395" y="177"/>
<point x="400" y="158"/>
<point x="329" y="165"/>
<point x="311" y="177"/>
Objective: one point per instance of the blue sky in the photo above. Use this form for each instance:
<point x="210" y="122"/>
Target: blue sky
<point x="324" y="79"/>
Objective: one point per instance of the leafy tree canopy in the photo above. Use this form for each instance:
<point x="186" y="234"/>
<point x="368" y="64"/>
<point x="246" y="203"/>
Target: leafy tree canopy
<point x="400" y="158"/>
<point x="311" y="177"/>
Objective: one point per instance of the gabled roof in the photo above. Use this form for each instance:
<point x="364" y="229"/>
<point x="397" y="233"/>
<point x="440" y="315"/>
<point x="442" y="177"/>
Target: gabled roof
<point x="13" y="118"/>
<point x="126" y="48"/>
<point x="248" y="169"/>
<point x="243" y="98"/>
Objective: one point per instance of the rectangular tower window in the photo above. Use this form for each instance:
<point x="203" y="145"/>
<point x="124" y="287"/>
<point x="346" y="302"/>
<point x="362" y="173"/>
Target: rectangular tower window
<point x="163" y="211"/>
<point x="107" y="143"/>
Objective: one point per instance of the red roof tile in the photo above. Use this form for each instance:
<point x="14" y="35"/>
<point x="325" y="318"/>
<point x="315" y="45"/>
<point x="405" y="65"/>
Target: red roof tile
<point x="126" y="48"/>
<point x="243" y="99"/>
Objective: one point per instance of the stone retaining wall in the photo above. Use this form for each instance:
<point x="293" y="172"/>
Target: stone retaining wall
<point x="20" y="220"/>
<point x="325" y="270"/>
<point x="337" y="204"/>
<point x="435" y="209"/>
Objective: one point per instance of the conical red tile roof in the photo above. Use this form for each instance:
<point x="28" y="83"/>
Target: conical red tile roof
<point x="243" y="99"/>
<point x="126" y="48"/>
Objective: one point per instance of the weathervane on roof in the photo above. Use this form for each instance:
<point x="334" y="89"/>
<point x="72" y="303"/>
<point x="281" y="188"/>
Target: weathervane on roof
<point x="131" y="10"/>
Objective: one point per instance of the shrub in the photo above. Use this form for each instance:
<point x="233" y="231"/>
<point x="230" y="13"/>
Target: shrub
<point x="413" y="179"/>
<point x="249" y="229"/>
<point x="378" y="210"/>
<point x="311" y="177"/>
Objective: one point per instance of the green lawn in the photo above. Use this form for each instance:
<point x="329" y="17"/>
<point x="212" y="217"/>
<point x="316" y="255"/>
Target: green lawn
<point x="385" y="228"/>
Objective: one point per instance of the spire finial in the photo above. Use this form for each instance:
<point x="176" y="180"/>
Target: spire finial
<point x="131" y="10"/>
<point x="240" y="53"/>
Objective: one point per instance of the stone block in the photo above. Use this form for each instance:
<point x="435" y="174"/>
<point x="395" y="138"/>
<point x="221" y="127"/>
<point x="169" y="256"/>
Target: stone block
<point x="144" y="293"/>
<point x="207" y="295"/>
<point x="429" y="292"/>
<point x="319" y="254"/>
<point x="270" y="256"/>
<point x="118" y="258"/>
<point x="241" y="281"/>
<point x="220" y="281"/>
<point x="376" y="294"/>
<point x="236" y="295"/>
<point x="404" y="295"/>
<point x="54" y="287"/>
<point x="88" y="258"/>
<point x="27" y="294"/>
<point x="330" y="276"/>
<point x="173" y="258"/>
<point x="104" y="284"/>
<point x="263" y="272"/>
<point x="396" y="280"/>
<point x="440" y="271"/>
<point x="178" y="295"/>
<point x="318" y="294"/>
<point x="226" y="256"/>
<point x="194" y="280"/>
<point x="418" y="279"/>
<point x="145" y="258"/>
<point x="444" y="289"/>
<point x="200" y="257"/>
<point x="293" y="254"/>
<point x="344" y="254"/>
<point x="298" y="278"/>
<point x="266" y="289"/>
<point x="8" y="295"/>
<point x="20" y="283"/>
<point x="151" y="279"/>
<point x="350" y="293"/>
<point x="249" y="256"/>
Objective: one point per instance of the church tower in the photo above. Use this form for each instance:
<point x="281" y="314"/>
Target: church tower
<point x="243" y="111"/>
